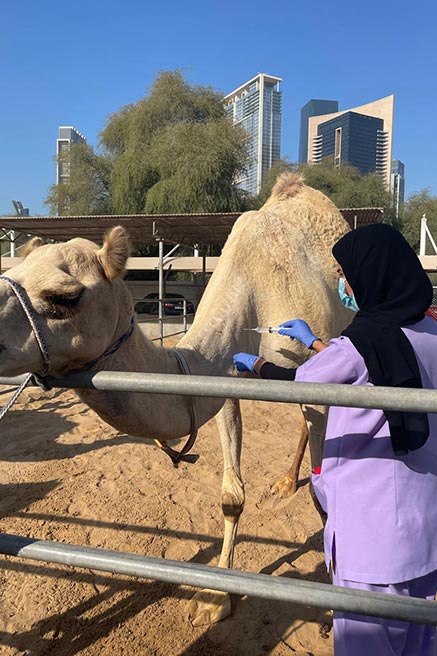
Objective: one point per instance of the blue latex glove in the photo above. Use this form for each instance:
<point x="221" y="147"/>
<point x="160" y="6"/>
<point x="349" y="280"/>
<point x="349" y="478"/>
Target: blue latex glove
<point x="245" y="361"/>
<point x="298" y="329"/>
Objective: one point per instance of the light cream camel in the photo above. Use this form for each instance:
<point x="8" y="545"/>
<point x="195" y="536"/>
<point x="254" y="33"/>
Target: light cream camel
<point x="276" y="265"/>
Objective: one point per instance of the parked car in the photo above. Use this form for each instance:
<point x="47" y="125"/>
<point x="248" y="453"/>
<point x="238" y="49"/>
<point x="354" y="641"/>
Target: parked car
<point x="174" y="306"/>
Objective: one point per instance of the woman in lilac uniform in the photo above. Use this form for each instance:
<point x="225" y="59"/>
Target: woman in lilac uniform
<point x="378" y="480"/>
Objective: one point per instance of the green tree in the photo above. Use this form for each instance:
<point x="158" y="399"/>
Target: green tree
<point x="196" y="165"/>
<point x="347" y="187"/>
<point x="88" y="188"/>
<point x="344" y="185"/>
<point x="280" y="166"/>
<point x="172" y="151"/>
<point x="175" y="151"/>
<point x="418" y="204"/>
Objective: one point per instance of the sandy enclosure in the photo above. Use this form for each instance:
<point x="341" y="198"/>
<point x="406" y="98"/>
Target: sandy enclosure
<point x="67" y="476"/>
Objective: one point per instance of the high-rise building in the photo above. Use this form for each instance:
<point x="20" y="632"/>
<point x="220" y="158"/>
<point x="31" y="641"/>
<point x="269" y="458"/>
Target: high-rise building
<point x="397" y="185"/>
<point x="256" y="105"/>
<point x="67" y="136"/>
<point x="312" y="108"/>
<point x="361" y="136"/>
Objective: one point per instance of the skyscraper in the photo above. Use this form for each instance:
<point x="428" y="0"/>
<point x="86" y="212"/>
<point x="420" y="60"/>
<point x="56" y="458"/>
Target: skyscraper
<point x="67" y="136"/>
<point x="256" y="105"/>
<point x="397" y="185"/>
<point x="312" y="108"/>
<point x="361" y="136"/>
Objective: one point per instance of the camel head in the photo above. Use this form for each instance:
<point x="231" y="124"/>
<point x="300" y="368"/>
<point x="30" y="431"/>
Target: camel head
<point x="78" y="300"/>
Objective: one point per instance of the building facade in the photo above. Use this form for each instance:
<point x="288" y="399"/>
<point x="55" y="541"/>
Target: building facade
<point x="361" y="136"/>
<point x="312" y="108"/>
<point x="67" y="136"/>
<point x="256" y="105"/>
<point x="397" y="185"/>
<point x="353" y="139"/>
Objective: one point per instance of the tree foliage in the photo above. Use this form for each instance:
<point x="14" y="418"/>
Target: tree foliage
<point x="418" y="204"/>
<point x="88" y="188"/>
<point x="172" y="151"/>
<point x="344" y="185"/>
<point x="347" y="187"/>
<point x="175" y="151"/>
<point x="280" y="166"/>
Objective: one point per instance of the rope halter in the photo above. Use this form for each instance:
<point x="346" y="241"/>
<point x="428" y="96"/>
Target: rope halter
<point x="22" y="296"/>
<point x="38" y="378"/>
<point x="25" y="303"/>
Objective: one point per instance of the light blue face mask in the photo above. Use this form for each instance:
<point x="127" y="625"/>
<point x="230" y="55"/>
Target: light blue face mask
<point x="348" y="301"/>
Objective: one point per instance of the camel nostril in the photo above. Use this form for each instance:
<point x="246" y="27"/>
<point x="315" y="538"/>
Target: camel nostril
<point x="2" y="348"/>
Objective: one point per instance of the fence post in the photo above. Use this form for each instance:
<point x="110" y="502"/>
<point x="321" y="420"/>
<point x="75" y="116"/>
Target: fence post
<point x="161" y="291"/>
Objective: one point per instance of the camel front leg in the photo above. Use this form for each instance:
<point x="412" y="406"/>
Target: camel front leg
<point x="287" y="484"/>
<point x="209" y="606"/>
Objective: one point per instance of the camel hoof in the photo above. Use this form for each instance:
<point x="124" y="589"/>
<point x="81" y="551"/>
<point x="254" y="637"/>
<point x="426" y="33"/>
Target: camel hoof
<point x="284" y="487"/>
<point x="209" y="607"/>
<point x="324" y="630"/>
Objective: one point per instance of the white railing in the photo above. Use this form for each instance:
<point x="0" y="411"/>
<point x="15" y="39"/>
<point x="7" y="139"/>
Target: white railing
<point x="163" y="317"/>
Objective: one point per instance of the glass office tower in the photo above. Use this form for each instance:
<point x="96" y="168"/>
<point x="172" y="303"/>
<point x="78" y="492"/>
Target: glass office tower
<point x="353" y="139"/>
<point x="397" y="185"/>
<point x="312" y="108"/>
<point x="256" y="105"/>
<point x="67" y="136"/>
<point x="361" y="136"/>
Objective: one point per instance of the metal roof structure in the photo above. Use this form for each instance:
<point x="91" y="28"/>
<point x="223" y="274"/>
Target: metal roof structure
<point x="361" y="216"/>
<point x="186" y="229"/>
<point x="142" y="228"/>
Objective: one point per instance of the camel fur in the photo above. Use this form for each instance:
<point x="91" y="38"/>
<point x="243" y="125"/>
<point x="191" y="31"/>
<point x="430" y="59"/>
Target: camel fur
<point x="276" y="265"/>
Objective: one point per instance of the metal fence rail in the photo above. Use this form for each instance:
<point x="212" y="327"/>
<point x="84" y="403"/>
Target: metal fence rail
<point x="243" y="583"/>
<point x="385" y="398"/>
<point x="259" y="585"/>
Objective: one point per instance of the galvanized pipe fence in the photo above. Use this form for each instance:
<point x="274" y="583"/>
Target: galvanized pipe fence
<point x="235" y="387"/>
<point x="264" y="586"/>
<point x="243" y="583"/>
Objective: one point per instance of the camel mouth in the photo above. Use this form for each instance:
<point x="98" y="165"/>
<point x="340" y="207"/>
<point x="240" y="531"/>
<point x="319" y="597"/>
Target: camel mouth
<point x="2" y="348"/>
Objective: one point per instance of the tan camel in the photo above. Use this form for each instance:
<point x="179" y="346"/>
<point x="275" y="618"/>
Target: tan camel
<point x="276" y="265"/>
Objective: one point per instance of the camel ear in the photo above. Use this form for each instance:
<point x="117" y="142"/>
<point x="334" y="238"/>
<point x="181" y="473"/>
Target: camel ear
<point x="114" y="252"/>
<point x="30" y="246"/>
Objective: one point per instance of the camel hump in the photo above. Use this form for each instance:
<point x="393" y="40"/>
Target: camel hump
<point x="287" y="185"/>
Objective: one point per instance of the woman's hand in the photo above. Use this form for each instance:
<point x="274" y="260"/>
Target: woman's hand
<point x="246" y="361"/>
<point x="300" y="330"/>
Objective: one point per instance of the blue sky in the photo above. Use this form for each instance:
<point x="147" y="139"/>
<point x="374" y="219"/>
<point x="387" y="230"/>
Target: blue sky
<point x="76" y="63"/>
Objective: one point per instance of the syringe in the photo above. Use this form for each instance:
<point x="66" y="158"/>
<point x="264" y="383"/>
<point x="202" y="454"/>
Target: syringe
<point x="264" y="329"/>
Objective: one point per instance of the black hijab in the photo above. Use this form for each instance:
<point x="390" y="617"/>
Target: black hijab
<point x="392" y="290"/>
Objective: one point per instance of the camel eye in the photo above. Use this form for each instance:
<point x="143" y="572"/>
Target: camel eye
<point x="66" y="301"/>
<point x="62" y="305"/>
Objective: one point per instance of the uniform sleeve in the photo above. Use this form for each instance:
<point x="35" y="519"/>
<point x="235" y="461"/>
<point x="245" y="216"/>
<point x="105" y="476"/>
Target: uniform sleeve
<point x="335" y="364"/>
<point x="272" y="371"/>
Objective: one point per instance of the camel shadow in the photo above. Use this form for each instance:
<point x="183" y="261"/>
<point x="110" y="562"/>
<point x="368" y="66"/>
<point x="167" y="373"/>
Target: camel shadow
<point x="204" y="556"/>
<point x="18" y="496"/>
<point x="265" y="622"/>
<point x="73" y="631"/>
<point x="27" y="436"/>
<point x="255" y="626"/>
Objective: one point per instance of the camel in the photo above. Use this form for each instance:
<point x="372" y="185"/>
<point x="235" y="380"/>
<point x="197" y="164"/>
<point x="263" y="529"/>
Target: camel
<point x="276" y="265"/>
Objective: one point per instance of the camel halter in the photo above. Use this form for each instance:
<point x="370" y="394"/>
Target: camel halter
<point x="177" y="456"/>
<point x="25" y="303"/>
<point x="38" y="378"/>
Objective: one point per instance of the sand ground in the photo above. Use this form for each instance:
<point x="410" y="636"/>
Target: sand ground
<point x="67" y="476"/>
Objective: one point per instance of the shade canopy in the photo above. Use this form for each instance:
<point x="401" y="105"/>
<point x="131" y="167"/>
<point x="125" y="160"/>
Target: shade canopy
<point x="142" y="228"/>
<point x="357" y="217"/>
<point x="186" y="229"/>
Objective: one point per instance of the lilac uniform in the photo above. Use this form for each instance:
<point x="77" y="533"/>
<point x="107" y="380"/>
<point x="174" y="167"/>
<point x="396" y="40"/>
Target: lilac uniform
<point x="382" y="509"/>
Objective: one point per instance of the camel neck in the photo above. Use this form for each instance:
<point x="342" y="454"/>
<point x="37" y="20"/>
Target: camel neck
<point x="147" y="415"/>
